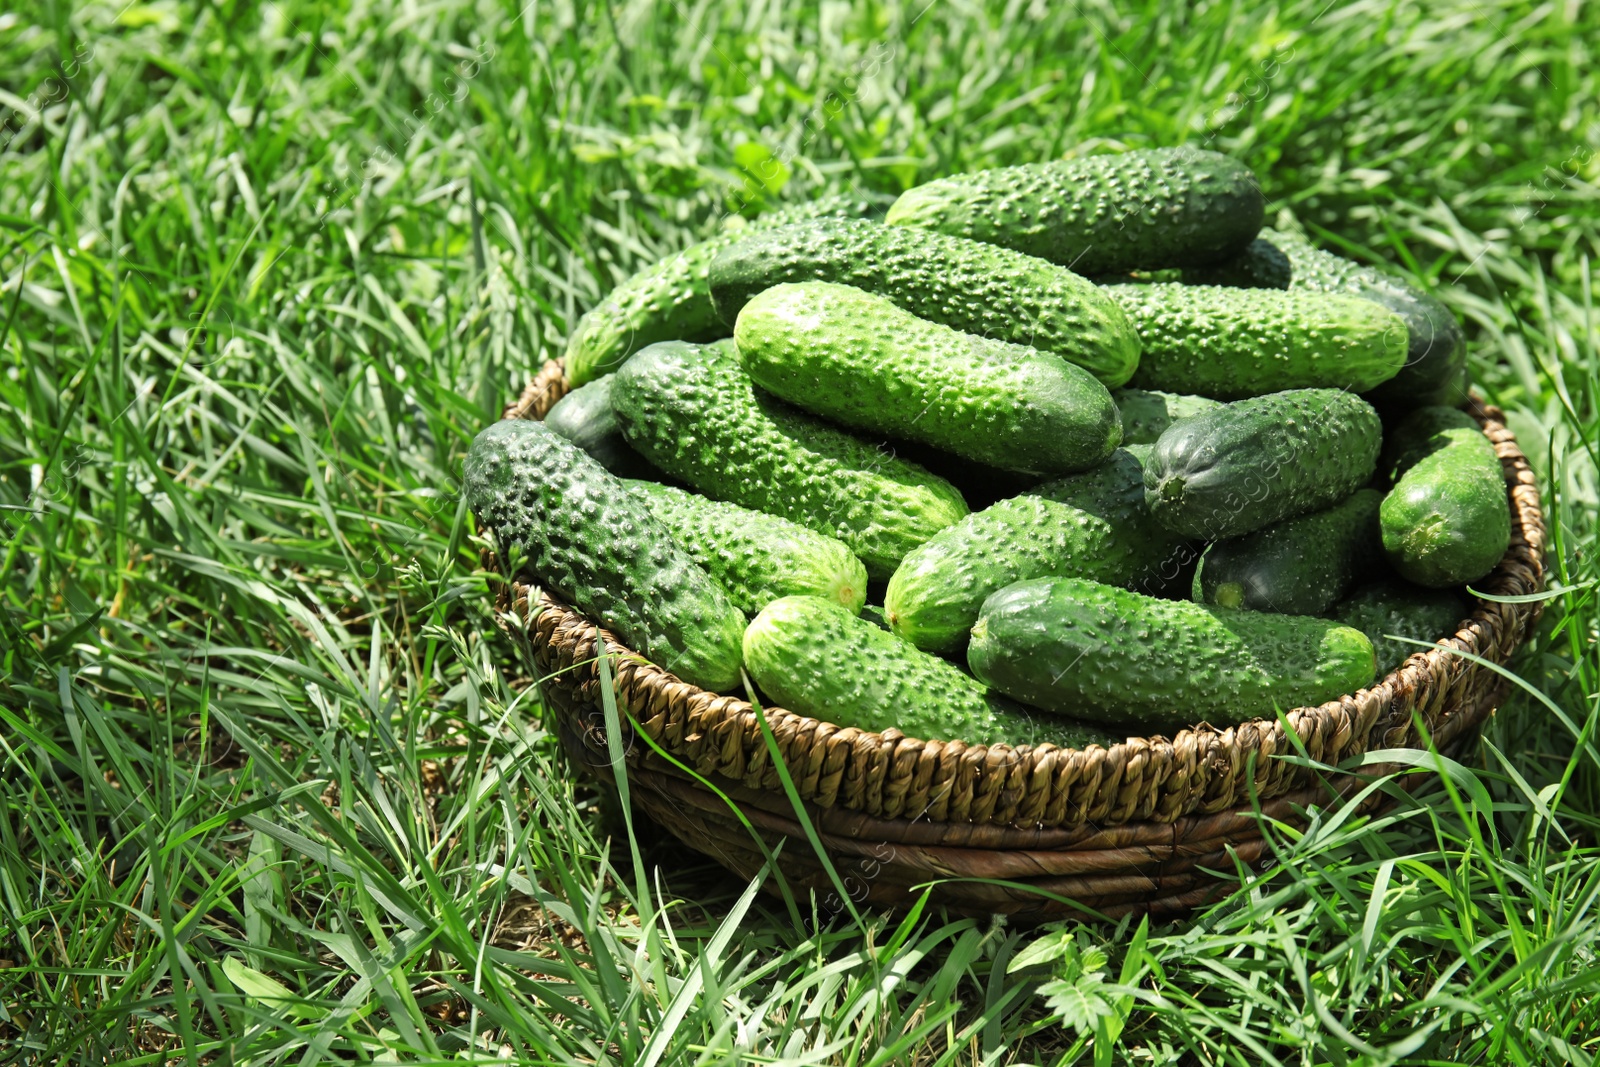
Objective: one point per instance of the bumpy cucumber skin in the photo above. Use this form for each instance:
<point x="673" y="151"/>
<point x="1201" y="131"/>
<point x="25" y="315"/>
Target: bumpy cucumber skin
<point x="671" y="300"/>
<point x="1300" y="566"/>
<point x="1093" y="525"/>
<point x="1384" y="608"/>
<point x="815" y="658"/>
<point x="585" y="418"/>
<point x="757" y="557"/>
<point x="858" y="359"/>
<point x="1147" y="413"/>
<point x="1142" y="210"/>
<point x="1435" y="370"/>
<point x="1232" y="343"/>
<point x="1446" y="521"/>
<point x="967" y="285"/>
<point x="692" y="411"/>
<point x="588" y="539"/>
<point x="1089" y="650"/>
<point x="1254" y="462"/>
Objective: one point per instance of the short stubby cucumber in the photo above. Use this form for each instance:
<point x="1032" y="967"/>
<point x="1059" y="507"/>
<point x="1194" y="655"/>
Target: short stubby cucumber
<point x="1300" y="566"/>
<point x="1388" y="611"/>
<point x="1446" y="521"/>
<point x="1436" y="352"/>
<point x="967" y="285"/>
<point x="757" y="557"/>
<point x="592" y="542"/>
<point x="858" y="359"/>
<point x="817" y="659"/>
<point x="1251" y="463"/>
<point x="1148" y="209"/>
<point x="585" y="418"/>
<point x="1137" y="663"/>
<point x="1146" y="413"/>
<point x="1232" y="343"/>
<point x="692" y="411"/>
<point x="671" y="300"/>
<point x="1093" y="525"/>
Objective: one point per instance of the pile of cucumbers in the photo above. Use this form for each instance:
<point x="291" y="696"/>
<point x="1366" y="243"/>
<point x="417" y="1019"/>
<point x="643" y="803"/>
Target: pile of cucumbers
<point x="1061" y="453"/>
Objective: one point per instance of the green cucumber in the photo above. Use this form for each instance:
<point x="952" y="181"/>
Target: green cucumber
<point x="585" y="418"/>
<point x="1142" y="210"/>
<point x="1446" y="521"/>
<point x="967" y="285"/>
<point x="1300" y="566"/>
<point x="1137" y="663"/>
<point x="858" y="359"/>
<point x="1093" y="525"/>
<point x="1255" y="462"/>
<point x="757" y="557"/>
<point x="1385" y="611"/>
<point x="588" y="539"/>
<point x="671" y="300"/>
<point x="692" y="411"/>
<point x="1436" y="352"/>
<point x="1147" y="413"/>
<point x="817" y="659"/>
<point x="1233" y="343"/>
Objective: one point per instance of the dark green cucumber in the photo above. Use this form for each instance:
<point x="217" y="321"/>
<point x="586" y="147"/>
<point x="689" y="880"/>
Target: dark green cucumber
<point x="1147" y="209"/>
<point x="589" y="540"/>
<point x="1300" y="566"/>
<point x="692" y="411"/>
<point x="671" y="300"/>
<point x="817" y="659"/>
<point x="1255" y="462"/>
<point x="585" y="418"/>
<point x="860" y="360"/>
<point x="1436" y="352"/>
<point x="1232" y="343"/>
<point x="1092" y="525"/>
<point x="967" y="285"/>
<point x="1065" y="644"/>
<point x="1446" y="521"/>
<point x="757" y="557"/>
<point x="1385" y="611"/>
<point x="1146" y="413"/>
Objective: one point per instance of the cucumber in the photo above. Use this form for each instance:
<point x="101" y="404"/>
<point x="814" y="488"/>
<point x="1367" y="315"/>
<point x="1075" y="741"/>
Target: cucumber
<point x="1142" y="210"/>
<point x="757" y="557"/>
<point x="1385" y="611"/>
<point x="1436" y="352"/>
<point x="967" y="285"/>
<point x="1255" y="462"/>
<point x="671" y="300"/>
<point x="859" y="360"/>
<point x="816" y="658"/>
<point x="585" y="418"/>
<point x="588" y="539"/>
<point x="1446" y="521"/>
<point x="1139" y="663"/>
<point x="1146" y="413"/>
<point x="1092" y="525"/>
<point x="692" y="411"/>
<point x="1300" y="566"/>
<point x="1232" y="343"/>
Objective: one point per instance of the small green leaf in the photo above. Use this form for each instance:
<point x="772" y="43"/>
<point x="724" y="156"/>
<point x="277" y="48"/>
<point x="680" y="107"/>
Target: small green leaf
<point x="1079" y="1003"/>
<point x="253" y="983"/>
<point x="1045" y="950"/>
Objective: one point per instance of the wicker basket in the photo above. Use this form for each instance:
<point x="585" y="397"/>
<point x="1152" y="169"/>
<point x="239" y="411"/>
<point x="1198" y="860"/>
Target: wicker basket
<point x="1154" y="824"/>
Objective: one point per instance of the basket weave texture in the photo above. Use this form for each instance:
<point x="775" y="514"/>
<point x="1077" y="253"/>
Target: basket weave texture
<point x="1153" y="824"/>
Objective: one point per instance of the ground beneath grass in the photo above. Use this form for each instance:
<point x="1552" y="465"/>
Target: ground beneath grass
<point x="276" y="792"/>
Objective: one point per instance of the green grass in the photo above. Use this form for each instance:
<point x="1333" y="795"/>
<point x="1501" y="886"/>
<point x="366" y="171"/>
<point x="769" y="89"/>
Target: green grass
<point x="274" y="790"/>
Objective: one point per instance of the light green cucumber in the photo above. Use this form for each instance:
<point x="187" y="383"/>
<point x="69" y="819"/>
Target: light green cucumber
<point x="692" y="411"/>
<point x="857" y="359"/>
<point x="816" y="658"/>
<point x="757" y="557"/>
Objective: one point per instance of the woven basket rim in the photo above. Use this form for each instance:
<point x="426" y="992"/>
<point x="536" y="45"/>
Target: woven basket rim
<point x="1202" y="769"/>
